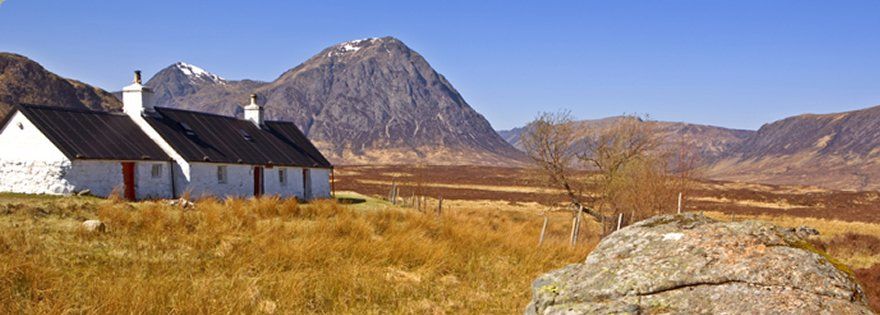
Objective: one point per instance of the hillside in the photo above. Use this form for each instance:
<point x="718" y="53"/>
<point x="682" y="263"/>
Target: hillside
<point x="837" y="150"/>
<point x="25" y="81"/>
<point x="708" y="143"/>
<point x="365" y="101"/>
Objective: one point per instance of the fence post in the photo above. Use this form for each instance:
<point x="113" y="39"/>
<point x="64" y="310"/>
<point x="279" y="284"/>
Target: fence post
<point x="391" y="191"/>
<point x="619" y="220"/>
<point x="440" y="206"/>
<point x="679" y="203"/>
<point x="543" y="230"/>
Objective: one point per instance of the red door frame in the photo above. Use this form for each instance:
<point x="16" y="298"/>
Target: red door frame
<point x="258" y="181"/>
<point x="128" y="180"/>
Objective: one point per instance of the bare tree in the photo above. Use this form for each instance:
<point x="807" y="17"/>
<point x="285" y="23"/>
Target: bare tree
<point x="634" y="175"/>
<point x="548" y="141"/>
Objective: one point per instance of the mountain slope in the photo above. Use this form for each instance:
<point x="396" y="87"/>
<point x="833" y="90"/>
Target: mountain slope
<point x="25" y="81"/>
<point x="365" y="101"/>
<point x="839" y="150"/>
<point x="708" y="143"/>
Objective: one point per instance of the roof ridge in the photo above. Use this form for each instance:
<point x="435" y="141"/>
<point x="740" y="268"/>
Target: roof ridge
<point x="159" y="108"/>
<point x="67" y="109"/>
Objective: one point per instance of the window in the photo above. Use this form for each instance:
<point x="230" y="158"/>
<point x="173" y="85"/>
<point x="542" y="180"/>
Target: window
<point x="186" y="128"/>
<point x="245" y="135"/>
<point x="221" y="174"/>
<point x="282" y="176"/>
<point x="156" y="171"/>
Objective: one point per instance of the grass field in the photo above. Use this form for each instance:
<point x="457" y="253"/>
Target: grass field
<point x="849" y="221"/>
<point x="358" y="255"/>
<point x="270" y="256"/>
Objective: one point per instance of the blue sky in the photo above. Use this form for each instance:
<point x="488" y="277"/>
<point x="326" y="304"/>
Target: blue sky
<point x="730" y="63"/>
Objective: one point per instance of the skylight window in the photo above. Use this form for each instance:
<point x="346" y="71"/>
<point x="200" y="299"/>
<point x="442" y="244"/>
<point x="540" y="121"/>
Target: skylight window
<point x="245" y="135"/>
<point x="186" y="128"/>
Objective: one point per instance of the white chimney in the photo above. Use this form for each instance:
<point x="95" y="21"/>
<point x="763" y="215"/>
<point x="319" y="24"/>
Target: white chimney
<point x="136" y="98"/>
<point x="254" y="112"/>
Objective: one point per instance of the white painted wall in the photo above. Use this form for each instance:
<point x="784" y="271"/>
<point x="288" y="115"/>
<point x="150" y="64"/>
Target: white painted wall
<point x="35" y="177"/>
<point x="273" y="186"/>
<point x="30" y="163"/>
<point x="320" y="183"/>
<point x="203" y="180"/>
<point x="100" y="177"/>
<point x="148" y="187"/>
<point x="26" y="143"/>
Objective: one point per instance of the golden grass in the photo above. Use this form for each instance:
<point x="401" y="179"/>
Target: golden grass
<point x="515" y="189"/>
<point x="272" y="256"/>
<point x="780" y="204"/>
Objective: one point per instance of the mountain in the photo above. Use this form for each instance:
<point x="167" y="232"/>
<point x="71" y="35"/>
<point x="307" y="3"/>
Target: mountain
<point x="707" y="143"/>
<point x="25" y="81"/>
<point x="365" y="101"/>
<point x="839" y="150"/>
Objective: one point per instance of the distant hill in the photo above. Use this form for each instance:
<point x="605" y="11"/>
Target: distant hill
<point x="708" y="143"/>
<point x="840" y="150"/>
<point x="25" y="81"/>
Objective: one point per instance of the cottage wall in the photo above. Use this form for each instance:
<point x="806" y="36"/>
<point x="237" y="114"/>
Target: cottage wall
<point x="148" y="187"/>
<point x="35" y="177"/>
<point x="29" y="162"/>
<point x="22" y="141"/>
<point x="293" y="186"/>
<point x="100" y="177"/>
<point x="203" y="180"/>
<point x="320" y="182"/>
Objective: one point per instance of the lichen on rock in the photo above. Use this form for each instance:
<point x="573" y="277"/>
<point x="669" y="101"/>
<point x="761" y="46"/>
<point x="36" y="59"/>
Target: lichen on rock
<point x="689" y="263"/>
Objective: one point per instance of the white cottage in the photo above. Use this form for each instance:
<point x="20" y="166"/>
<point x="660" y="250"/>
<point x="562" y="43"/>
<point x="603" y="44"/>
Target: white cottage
<point x="156" y="152"/>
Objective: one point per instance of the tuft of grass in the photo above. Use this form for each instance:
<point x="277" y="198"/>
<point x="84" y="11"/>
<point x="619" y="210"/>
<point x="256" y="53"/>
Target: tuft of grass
<point x="272" y="255"/>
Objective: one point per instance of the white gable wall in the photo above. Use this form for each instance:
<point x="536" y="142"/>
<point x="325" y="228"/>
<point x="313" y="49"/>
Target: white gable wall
<point x="29" y="162"/>
<point x="26" y="143"/>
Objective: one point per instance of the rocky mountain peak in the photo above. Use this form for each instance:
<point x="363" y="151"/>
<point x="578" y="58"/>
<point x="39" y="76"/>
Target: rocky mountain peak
<point x="352" y="46"/>
<point x="196" y="74"/>
<point x="371" y="100"/>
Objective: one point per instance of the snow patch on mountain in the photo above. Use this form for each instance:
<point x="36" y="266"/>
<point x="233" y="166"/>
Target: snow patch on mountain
<point x="195" y="73"/>
<point x="351" y="46"/>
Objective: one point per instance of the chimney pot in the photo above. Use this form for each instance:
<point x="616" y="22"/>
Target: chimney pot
<point x="254" y="112"/>
<point x="136" y="98"/>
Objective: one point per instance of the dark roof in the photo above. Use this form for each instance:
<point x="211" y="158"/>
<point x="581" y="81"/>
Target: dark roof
<point x="204" y="137"/>
<point x="289" y="133"/>
<point x="92" y="135"/>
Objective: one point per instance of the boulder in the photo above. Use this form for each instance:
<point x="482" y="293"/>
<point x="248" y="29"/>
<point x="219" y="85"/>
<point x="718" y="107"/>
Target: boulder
<point x="94" y="226"/>
<point x="688" y="263"/>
